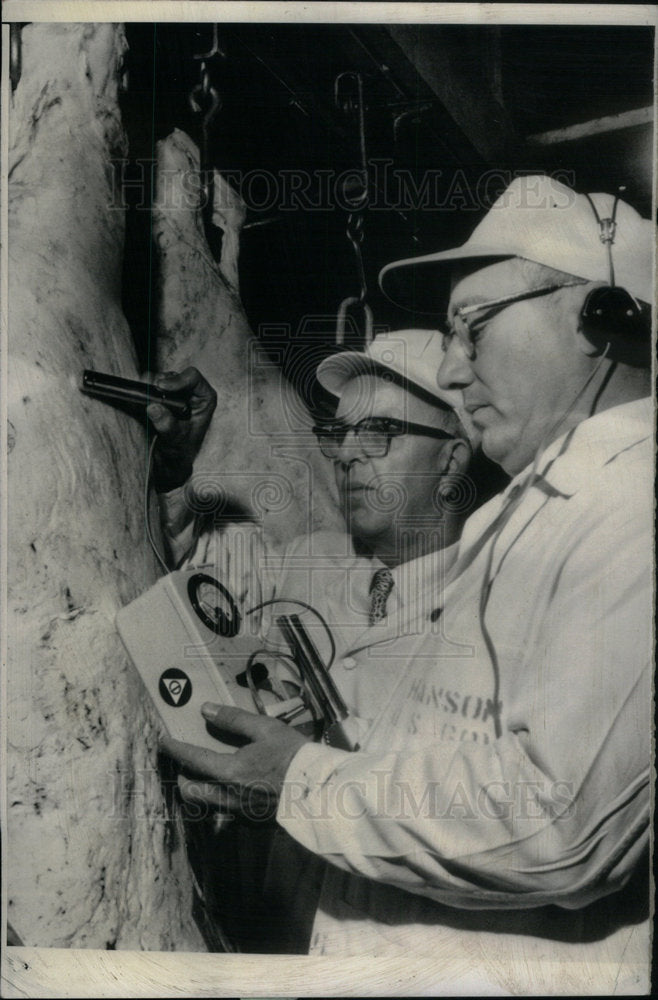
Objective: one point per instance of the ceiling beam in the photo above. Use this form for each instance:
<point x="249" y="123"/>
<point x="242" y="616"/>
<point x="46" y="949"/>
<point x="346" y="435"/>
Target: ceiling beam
<point x="439" y="60"/>
<point x="596" y="126"/>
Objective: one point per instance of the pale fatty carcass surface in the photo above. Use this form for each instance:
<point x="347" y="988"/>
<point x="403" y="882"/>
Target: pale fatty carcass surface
<point x="259" y="455"/>
<point x="93" y="859"/>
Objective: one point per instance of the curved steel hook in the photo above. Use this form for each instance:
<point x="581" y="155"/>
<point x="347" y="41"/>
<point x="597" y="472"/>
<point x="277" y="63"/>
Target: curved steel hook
<point x="207" y="91"/>
<point x="352" y="103"/>
<point x="341" y="319"/>
<point x="214" y="51"/>
<point x="355" y="236"/>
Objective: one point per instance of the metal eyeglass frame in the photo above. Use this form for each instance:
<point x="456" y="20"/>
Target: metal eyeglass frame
<point x="459" y="325"/>
<point x="330" y="446"/>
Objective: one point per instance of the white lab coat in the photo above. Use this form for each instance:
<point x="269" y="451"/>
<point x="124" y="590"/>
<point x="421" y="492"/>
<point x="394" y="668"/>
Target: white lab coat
<point x="444" y="838"/>
<point x="438" y="815"/>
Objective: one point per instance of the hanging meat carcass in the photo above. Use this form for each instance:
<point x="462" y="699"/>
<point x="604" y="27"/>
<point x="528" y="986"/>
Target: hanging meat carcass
<point x="93" y="859"/>
<point x="259" y="452"/>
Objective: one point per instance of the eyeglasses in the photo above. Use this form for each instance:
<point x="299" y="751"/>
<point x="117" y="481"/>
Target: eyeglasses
<point x="373" y="434"/>
<point x="465" y="330"/>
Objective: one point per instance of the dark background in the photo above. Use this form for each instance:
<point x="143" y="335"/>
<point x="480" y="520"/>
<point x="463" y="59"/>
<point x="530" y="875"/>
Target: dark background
<point x="468" y="101"/>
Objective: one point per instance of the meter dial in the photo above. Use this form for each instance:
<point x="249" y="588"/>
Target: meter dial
<point x="214" y="605"/>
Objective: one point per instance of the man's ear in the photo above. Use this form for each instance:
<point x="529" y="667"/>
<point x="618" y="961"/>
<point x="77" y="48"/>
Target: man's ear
<point x="455" y="456"/>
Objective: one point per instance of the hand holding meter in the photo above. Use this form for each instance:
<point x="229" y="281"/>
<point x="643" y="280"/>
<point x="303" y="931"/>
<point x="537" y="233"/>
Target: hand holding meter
<point x="251" y="781"/>
<point x="248" y="782"/>
<point x="124" y="390"/>
<point x="179" y="405"/>
<point x="179" y="440"/>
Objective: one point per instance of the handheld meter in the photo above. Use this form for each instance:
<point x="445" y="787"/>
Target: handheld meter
<point x="187" y="640"/>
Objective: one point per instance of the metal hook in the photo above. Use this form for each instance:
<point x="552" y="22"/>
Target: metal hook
<point x="215" y="50"/>
<point x="348" y="97"/>
<point x="351" y="102"/>
<point x="215" y="103"/>
<point x="341" y="319"/>
<point x="355" y="236"/>
<point x="413" y="114"/>
<point x="204" y="100"/>
<point x="207" y="90"/>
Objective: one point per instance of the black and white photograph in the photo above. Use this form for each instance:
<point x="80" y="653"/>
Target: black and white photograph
<point x="327" y="499"/>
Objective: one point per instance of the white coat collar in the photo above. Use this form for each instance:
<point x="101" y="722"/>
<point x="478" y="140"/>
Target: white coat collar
<point x="567" y="464"/>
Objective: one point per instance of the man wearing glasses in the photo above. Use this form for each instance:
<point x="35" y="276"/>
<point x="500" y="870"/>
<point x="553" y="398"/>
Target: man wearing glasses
<point x="503" y="857"/>
<point x="400" y="455"/>
<point x="399" y="452"/>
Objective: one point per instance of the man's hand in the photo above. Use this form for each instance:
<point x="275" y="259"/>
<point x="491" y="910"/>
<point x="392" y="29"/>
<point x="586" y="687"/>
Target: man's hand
<point x="248" y="781"/>
<point x="179" y="441"/>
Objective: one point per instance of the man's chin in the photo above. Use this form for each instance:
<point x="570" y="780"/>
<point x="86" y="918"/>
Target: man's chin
<point x="503" y="450"/>
<point x="497" y="447"/>
<point x="363" y="530"/>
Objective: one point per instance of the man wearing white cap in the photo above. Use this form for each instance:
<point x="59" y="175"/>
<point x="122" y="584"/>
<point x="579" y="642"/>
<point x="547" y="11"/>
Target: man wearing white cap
<point x="501" y="855"/>
<point x="400" y="455"/>
<point x="400" y="448"/>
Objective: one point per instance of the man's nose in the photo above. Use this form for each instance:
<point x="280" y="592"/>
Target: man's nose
<point x="455" y="369"/>
<point x="350" y="450"/>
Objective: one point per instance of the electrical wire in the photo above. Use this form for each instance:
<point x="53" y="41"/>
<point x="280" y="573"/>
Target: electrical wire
<point x="147" y="511"/>
<point x="298" y="683"/>
<point x="192" y="547"/>
<point x="279" y="600"/>
<point x="257" y="607"/>
<point x="505" y="515"/>
<point x="302" y="604"/>
<point x="258" y="702"/>
<point x="607" y="233"/>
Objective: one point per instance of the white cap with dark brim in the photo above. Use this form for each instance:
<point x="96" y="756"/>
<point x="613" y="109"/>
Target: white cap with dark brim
<point x="542" y="220"/>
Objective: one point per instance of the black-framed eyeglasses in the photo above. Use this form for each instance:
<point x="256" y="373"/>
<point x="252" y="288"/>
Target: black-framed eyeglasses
<point x="461" y="326"/>
<point x="373" y="434"/>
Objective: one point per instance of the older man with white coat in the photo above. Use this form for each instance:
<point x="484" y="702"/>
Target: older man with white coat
<point x="502" y="796"/>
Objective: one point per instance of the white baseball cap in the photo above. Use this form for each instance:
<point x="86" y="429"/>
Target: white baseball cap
<point x="414" y="355"/>
<point x="542" y="220"/>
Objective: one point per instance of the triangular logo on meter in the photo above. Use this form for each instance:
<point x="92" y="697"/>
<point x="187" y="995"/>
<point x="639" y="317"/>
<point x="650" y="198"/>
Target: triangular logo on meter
<point x="176" y="688"/>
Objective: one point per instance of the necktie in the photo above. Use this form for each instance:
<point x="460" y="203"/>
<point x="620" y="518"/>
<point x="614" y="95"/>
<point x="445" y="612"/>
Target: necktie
<point x="380" y="588"/>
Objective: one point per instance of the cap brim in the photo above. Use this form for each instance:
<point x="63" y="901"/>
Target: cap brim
<point x="422" y="284"/>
